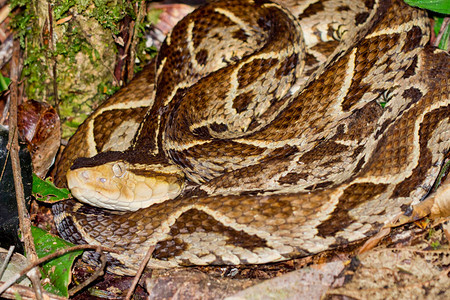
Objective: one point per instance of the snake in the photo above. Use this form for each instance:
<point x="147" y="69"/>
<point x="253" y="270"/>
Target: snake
<point x="263" y="131"/>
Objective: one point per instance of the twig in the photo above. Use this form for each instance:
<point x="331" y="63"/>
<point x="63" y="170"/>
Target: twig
<point x="52" y="55"/>
<point x="26" y="293"/>
<point x="50" y="257"/>
<point x="97" y="274"/>
<point x="141" y="13"/>
<point x="445" y="23"/>
<point x="6" y="261"/>
<point x="3" y="168"/>
<point x="126" y="77"/>
<point x="139" y="272"/>
<point x="13" y="145"/>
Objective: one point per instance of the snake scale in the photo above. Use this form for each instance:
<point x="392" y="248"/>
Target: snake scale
<point x="262" y="143"/>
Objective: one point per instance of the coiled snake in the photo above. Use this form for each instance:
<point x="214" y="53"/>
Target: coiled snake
<point x="243" y="159"/>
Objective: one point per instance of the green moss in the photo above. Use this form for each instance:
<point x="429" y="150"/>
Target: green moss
<point x="109" y="15"/>
<point x="82" y="48"/>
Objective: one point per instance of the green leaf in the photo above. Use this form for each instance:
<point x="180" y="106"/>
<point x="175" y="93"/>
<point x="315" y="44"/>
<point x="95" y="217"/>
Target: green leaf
<point x="440" y="6"/>
<point x="4" y="82"/>
<point x="57" y="270"/>
<point x="46" y="191"/>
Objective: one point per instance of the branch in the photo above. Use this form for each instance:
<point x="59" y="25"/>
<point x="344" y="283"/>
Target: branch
<point x="50" y="257"/>
<point x="13" y="145"/>
<point x="26" y="292"/>
<point x="139" y="272"/>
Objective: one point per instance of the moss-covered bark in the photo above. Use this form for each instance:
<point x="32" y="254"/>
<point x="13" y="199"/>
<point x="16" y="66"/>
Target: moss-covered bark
<point x="72" y="47"/>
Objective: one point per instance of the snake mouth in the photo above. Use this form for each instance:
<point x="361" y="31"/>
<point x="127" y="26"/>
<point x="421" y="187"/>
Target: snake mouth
<point x="112" y="186"/>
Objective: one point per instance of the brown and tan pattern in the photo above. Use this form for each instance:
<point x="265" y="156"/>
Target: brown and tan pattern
<point x="277" y="164"/>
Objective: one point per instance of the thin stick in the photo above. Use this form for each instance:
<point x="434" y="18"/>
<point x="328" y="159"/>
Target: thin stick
<point x="127" y="57"/>
<point x="97" y="274"/>
<point x="50" y="257"/>
<point x="133" y="40"/>
<point x="6" y="261"/>
<point x="445" y="23"/>
<point x="26" y="293"/>
<point x="13" y="145"/>
<point x="139" y="272"/>
<point x="53" y="58"/>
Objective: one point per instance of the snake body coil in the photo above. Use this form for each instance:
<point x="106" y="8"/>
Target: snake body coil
<point x="277" y="164"/>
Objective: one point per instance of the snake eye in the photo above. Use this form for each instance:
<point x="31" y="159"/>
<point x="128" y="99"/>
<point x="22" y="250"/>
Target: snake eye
<point x="118" y="169"/>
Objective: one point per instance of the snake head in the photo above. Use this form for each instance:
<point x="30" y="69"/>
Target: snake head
<point x="120" y="185"/>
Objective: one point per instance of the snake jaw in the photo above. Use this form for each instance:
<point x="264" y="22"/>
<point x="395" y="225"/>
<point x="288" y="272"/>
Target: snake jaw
<point x="119" y="186"/>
